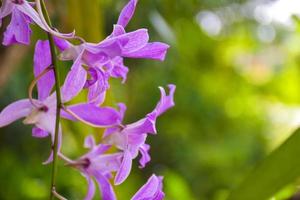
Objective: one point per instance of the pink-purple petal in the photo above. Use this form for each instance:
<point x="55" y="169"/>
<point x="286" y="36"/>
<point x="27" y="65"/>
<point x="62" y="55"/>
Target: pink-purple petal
<point x="96" y="116"/>
<point x="61" y="44"/>
<point x="136" y="40"/>
<point x="152" y="190"/>
<point x="15" y="111"/>
<point x="145" y="125"/>
<point x="145" y="157"/>
<point x="91" y="188"/>
<point x="74" y="82"/>
<point x="89" y="142"/>
<point x="42" y="60"/>
<point x="107" y="192"/>
<point x="166" y="101"/>
<point x="97" y="85"/>
<point x="117" y="69"/>
<point x="155" y="51"/>
<point x="18" y="31"/>
<point x="6" y="9"/>
<point x="117" y="30"/>
<point x="39" y="133"/>
<point x="28" y="10"/>
<point x="125" y="168"/>
<point x="50" y="158"/>
<point x="127" y="13"/>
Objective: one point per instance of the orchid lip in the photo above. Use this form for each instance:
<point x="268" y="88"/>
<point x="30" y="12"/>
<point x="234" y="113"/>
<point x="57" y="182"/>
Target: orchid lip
<point x="82" y="163"/>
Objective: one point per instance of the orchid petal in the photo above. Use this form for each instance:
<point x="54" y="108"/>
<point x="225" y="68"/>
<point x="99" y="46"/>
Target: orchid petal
<point x="145" y="125"/>
<point x="127" y="13"/>
<point x="96" y="95"/>
<point x="89" y="142"/>
<point x="50" y="158"/>
<point x="152" y="190"/>
<point x="42" y="60"/>
<point x="117" y="68"/>
<point x="155" y="50"/>
<point x="144" y="149"/>
<point x="136" y="40"/>
<point x="105" y="187"/>
<point x="125" y="168"/>
<point x="97" y="86"/>
<point x="134" y="142"/>
<point x="95" y="116"/>
<point x="105" y="163"/>
<point x="100" y="57"/>
<point x="128" y="42"/>
<point x="98" y="53"/>
<point x="18" y="31"/>
<point x="74" y="82"/>
<point x="166" y="101"/>
<point x="15" y="111"/>
<point x="39" y="133"/>
<point x="91" y="188"/>
<point x="6" y="9"/>
<point x="61" y="44"/>
<point x="122" y="110"/>
<point x="28" y="10"/>
<point x="117" y="30"/>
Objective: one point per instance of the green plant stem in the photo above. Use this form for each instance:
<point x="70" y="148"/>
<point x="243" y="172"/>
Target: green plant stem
<point x="58" y="100"/>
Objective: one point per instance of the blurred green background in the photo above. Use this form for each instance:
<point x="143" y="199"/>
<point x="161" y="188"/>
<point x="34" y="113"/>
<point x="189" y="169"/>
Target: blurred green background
<point x="236" y="64"/>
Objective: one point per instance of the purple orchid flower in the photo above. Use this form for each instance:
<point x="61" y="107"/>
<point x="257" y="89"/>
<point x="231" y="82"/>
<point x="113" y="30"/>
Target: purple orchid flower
<point x="42" y="111"/>
<point x="95" y="165"/>
<point x="152" y="190"/>
<point x="107" y="56"/>
<point x="22" y="15"/>
<point x="131" y="138"/>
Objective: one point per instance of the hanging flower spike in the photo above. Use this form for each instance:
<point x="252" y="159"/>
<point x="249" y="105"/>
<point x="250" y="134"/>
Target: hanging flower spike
<point x="99" y="166"/>
<point x="152" y="190"/>
<point x="131" y="138"/>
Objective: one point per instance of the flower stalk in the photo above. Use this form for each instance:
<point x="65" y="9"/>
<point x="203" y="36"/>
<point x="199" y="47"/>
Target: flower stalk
<point x="58" y="100"/>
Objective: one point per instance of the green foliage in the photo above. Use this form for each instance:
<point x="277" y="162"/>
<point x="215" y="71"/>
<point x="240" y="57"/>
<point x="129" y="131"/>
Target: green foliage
<point x="277" y="170"/>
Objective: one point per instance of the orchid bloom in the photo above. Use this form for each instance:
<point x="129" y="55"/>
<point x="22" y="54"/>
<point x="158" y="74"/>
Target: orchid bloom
<point x="42" y="111"/>
<point x="22" y="15"/>
<point x="131" y="138"/>
<point x="107" y="56"/>
<point x="95" y="165"/>
<point x="152" y="190"/>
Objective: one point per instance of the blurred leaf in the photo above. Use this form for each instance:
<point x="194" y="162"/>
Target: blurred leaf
<point x="280" y="168"/>
<point x="177" y="187"/>
<point x="86" y="18"/>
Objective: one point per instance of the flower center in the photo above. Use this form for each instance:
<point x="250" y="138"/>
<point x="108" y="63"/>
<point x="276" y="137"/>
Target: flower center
<point x="44" y="109"/>
<point x="85" y="163"/>
<point x="18" y="1"/>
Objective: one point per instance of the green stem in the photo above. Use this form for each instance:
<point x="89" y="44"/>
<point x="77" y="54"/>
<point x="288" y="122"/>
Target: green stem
<point x="58" y="100"/>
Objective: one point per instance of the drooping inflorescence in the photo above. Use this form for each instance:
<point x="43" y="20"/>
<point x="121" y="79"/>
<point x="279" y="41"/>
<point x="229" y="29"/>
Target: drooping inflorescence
<point x="93" y="65"/>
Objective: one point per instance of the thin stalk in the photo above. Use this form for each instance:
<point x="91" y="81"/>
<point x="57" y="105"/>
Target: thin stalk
<point x="58" y="104"/>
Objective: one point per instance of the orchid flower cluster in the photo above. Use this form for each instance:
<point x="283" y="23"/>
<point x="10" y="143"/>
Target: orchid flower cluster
<point x="93" y="65"/>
